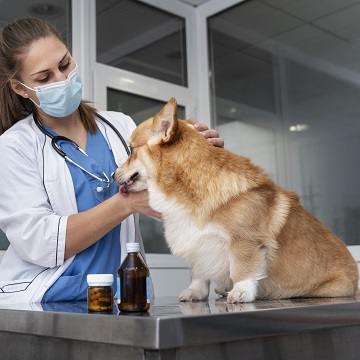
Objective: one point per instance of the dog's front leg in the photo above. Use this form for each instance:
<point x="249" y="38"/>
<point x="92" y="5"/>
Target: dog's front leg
<point x="247" y="267"/>
<point x="197" y="291"/>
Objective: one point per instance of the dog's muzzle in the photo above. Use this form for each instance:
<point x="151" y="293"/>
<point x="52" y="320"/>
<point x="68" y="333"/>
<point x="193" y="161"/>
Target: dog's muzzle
<point x="124" y="187"/>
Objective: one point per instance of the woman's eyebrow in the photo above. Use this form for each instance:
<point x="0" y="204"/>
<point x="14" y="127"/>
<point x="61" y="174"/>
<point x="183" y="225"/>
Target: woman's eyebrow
<point x="42" y="71"/>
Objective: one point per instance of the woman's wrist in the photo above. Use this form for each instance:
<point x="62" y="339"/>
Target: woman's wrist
<point x="124" y="206"/>
<point x="138" y="202"/>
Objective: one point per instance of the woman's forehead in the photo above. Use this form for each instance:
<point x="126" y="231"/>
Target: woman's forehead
<point x="42" y="54"/>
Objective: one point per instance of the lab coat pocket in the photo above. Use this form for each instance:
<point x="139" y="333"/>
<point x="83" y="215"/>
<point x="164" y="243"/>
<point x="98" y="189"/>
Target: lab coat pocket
<point x="14" y="286"/>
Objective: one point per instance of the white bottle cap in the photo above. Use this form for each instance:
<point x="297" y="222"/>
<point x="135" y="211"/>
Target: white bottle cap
<point x="132" y="247"/>
<point x="100" y="279"/>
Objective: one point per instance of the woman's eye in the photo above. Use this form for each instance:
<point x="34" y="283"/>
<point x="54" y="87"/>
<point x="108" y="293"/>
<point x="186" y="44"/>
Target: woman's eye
<point x="47" y="78"/>
<point x="64" y="67"/>
<point x="44" y="80"/>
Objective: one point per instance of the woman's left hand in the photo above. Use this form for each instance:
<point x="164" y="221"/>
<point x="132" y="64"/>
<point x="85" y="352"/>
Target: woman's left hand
<point x="210" y="134"/>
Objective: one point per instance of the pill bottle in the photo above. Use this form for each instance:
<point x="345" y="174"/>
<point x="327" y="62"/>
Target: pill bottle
<point x="100" y="292"/>
<point x="133" y="281"/>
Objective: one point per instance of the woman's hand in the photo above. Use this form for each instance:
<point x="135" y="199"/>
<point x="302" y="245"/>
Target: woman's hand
<point x="210" y="134"/>
<point x="138" y="202"/>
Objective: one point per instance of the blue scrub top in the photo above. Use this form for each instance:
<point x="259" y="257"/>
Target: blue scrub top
<point x="103" y="257"/>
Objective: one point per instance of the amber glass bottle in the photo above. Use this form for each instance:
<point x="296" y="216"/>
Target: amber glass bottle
<point x="133" y="281"/>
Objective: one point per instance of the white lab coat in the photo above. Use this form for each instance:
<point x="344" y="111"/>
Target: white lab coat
<point x="36" y="198"/>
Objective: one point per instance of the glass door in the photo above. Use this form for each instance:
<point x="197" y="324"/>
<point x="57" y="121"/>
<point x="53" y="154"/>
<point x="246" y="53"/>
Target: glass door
<point x="140" y="108"/>
<point x="285" y="86"/>
<point x="142" y="60"/>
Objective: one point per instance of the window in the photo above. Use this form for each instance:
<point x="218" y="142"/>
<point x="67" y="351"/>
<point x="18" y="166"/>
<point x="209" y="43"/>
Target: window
<point x="139" y="38"/>
<point x="285" y="87"/>
<point x="56" y="12"/>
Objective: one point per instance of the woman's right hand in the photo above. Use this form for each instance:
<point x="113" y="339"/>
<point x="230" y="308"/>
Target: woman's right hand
<point x="138" y="202"/>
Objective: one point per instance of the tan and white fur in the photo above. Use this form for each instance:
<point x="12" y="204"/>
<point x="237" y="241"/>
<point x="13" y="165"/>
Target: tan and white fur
<point x="229" y="221"/>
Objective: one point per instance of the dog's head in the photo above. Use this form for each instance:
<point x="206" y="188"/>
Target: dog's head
<point x="134" y="174"/>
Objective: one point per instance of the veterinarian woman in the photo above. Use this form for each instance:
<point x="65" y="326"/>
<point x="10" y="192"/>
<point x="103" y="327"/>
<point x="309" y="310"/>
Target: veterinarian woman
<point x="61" y="212"/>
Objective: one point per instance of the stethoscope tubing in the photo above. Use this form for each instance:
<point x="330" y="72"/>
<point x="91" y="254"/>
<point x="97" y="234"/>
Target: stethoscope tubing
<point x="62" y="153"/>
<point x="107" y="181"/>
<point x="116" y="132"/>
<point x="59" y="137"/>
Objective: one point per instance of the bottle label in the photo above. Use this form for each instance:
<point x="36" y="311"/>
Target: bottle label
<point x="148" y="289"/>
<point x="118" y="290"/>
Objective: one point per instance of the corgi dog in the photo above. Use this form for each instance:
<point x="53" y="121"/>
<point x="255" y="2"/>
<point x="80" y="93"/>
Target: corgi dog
<point x="229" y="221"/>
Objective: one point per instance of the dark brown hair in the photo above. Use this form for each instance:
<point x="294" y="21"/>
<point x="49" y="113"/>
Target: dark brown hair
<point x="15" y="40"/>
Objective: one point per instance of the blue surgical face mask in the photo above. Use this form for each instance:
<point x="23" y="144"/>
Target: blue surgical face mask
<point x="62" y="98"/>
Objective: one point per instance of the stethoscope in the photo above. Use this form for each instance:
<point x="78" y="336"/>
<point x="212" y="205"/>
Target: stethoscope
<point x="62" y="153"/>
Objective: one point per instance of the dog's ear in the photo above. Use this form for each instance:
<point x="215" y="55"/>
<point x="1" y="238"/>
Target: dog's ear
<point x="165" y="124"/>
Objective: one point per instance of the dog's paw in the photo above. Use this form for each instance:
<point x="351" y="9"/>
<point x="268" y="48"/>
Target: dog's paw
<point x="192" y="295"/>
<point x="243" y="291"/>
<point x="239" y="296"/>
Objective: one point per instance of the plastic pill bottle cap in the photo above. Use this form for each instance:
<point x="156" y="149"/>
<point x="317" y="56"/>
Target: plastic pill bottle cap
<point x="132" y="247"/>
<point x="100" y="279"/>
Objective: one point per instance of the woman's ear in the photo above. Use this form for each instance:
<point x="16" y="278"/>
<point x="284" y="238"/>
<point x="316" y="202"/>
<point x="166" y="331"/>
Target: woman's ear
<point x="18" y="88"/>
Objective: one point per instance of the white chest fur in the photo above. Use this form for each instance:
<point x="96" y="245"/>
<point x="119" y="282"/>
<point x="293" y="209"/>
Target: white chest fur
<point x="205" y="249"/>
